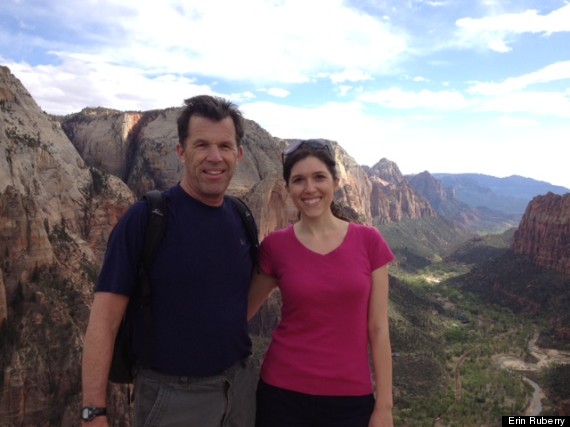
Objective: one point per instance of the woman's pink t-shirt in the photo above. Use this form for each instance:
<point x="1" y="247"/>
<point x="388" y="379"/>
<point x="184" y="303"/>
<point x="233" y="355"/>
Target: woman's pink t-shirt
<point x="320" y="347"/>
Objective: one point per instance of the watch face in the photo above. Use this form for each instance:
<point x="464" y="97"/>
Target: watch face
<point x="86" y="414"/>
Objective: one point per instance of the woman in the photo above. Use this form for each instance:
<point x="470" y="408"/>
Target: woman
<point x="333" y="278"/>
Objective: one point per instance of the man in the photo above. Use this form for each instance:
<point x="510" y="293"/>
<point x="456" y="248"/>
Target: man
<point x="200" y="373"/>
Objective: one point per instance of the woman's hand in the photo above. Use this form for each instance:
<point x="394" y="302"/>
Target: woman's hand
<point x="381" y="418"/>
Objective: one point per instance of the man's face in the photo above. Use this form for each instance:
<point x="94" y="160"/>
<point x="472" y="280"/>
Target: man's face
<point x="210" y="156"/>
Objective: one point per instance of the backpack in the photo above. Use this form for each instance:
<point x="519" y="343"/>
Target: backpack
<point x="123" y="361"/>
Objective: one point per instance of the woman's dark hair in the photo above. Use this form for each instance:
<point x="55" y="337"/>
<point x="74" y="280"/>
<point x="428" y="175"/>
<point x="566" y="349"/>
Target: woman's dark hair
<point x="305" y="151"/>
<point x="210" y="107"/>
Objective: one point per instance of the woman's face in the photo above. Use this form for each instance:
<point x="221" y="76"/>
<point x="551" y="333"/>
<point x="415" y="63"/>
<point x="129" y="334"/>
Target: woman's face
<point x="311" y="187"/>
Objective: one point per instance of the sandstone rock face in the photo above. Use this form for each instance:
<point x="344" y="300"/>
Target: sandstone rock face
<point x="393" y="198"/>
<point x="55" y="216"/>
<point x="153" y="162"/>
<point x="114" y="127"/>
<point x="355" y="188"/>
<point x="544" y="232"/>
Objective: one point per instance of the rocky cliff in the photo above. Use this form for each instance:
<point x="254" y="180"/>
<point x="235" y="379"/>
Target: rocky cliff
<point x="544" y="232"/>
<point x="55" y="217"/>
<point x="393" y="198"/>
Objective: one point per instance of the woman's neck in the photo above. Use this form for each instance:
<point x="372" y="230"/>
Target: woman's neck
<point x="321" y="235"/>
<point x="322" y="225"/>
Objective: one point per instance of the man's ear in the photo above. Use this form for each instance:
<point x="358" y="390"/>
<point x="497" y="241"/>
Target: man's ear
<point x="240" y="152"/>
<point x="180" y="152"/>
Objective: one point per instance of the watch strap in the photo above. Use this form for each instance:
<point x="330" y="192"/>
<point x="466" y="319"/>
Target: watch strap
<point x="88" y="413"/>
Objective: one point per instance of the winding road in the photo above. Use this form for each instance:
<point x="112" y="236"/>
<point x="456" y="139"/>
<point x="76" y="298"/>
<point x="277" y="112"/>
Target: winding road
<point x="544" y="358"/>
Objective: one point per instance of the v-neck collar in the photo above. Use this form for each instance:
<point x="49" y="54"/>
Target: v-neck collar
<point x="331" y="252"/>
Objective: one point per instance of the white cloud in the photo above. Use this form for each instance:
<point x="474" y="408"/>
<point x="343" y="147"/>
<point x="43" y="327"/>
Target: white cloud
<point x="529" y="21"/>
<point x="553" y="104"/>
<point x="498" y="46"/>
<point x="517" y="122"/>
<point x="76" y="84"/>
<point x="399" y="99"/>
<point x="343" y="90"/>
<point x="336" y="121"/>
<point x="351" y="75"/>
<point x="420" y="79"/>
<point x="493" y="31"/>
<point x="282" y="41"/>
<point x="285" y="41"/>
<point x="551" y="73"/>
<point x="278" y="93"/>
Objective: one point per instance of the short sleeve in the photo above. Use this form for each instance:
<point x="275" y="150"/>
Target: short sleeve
<point x="379" y="252"/>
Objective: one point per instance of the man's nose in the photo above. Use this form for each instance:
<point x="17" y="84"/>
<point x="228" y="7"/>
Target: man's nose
<point x="214" y="154"/>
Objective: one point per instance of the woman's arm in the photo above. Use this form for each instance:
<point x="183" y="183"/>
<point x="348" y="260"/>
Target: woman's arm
<point x="261" y="286"/>
<point x="379" y="336"/>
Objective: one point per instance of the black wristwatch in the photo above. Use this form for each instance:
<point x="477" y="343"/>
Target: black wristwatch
<point x="88" y="413"/>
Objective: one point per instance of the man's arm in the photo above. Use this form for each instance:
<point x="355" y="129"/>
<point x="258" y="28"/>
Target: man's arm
<point x="261" y="286"/>
<point x="106" y="315"/>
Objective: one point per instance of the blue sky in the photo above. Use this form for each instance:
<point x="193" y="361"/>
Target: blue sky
<point x="440" y="85"/>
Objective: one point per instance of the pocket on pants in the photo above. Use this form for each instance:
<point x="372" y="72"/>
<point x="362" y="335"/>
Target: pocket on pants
<point x="151" y="402"/>
<point x="241" y="395"/>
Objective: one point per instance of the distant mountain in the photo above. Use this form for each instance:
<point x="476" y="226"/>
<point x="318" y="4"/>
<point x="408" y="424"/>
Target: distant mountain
<point x="510" y="195"/>
<point x="480" y="218"/>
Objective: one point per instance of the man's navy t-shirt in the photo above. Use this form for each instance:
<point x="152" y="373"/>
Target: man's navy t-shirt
<point x="199" y="283"/>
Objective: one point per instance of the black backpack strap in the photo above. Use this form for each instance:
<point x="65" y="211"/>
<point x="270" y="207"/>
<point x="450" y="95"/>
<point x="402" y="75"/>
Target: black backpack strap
<point x="251" y="228"/>
<point x="153" y="236"/>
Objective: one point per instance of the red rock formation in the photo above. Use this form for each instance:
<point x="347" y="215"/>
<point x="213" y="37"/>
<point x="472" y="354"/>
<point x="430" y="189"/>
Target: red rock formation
<point x="392" y="198"/>
<point x="544" y="232"/>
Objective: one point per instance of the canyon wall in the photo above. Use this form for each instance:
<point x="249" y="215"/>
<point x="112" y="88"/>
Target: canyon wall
<point x="544" y="232"/>
<point x="55" y="216"/>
